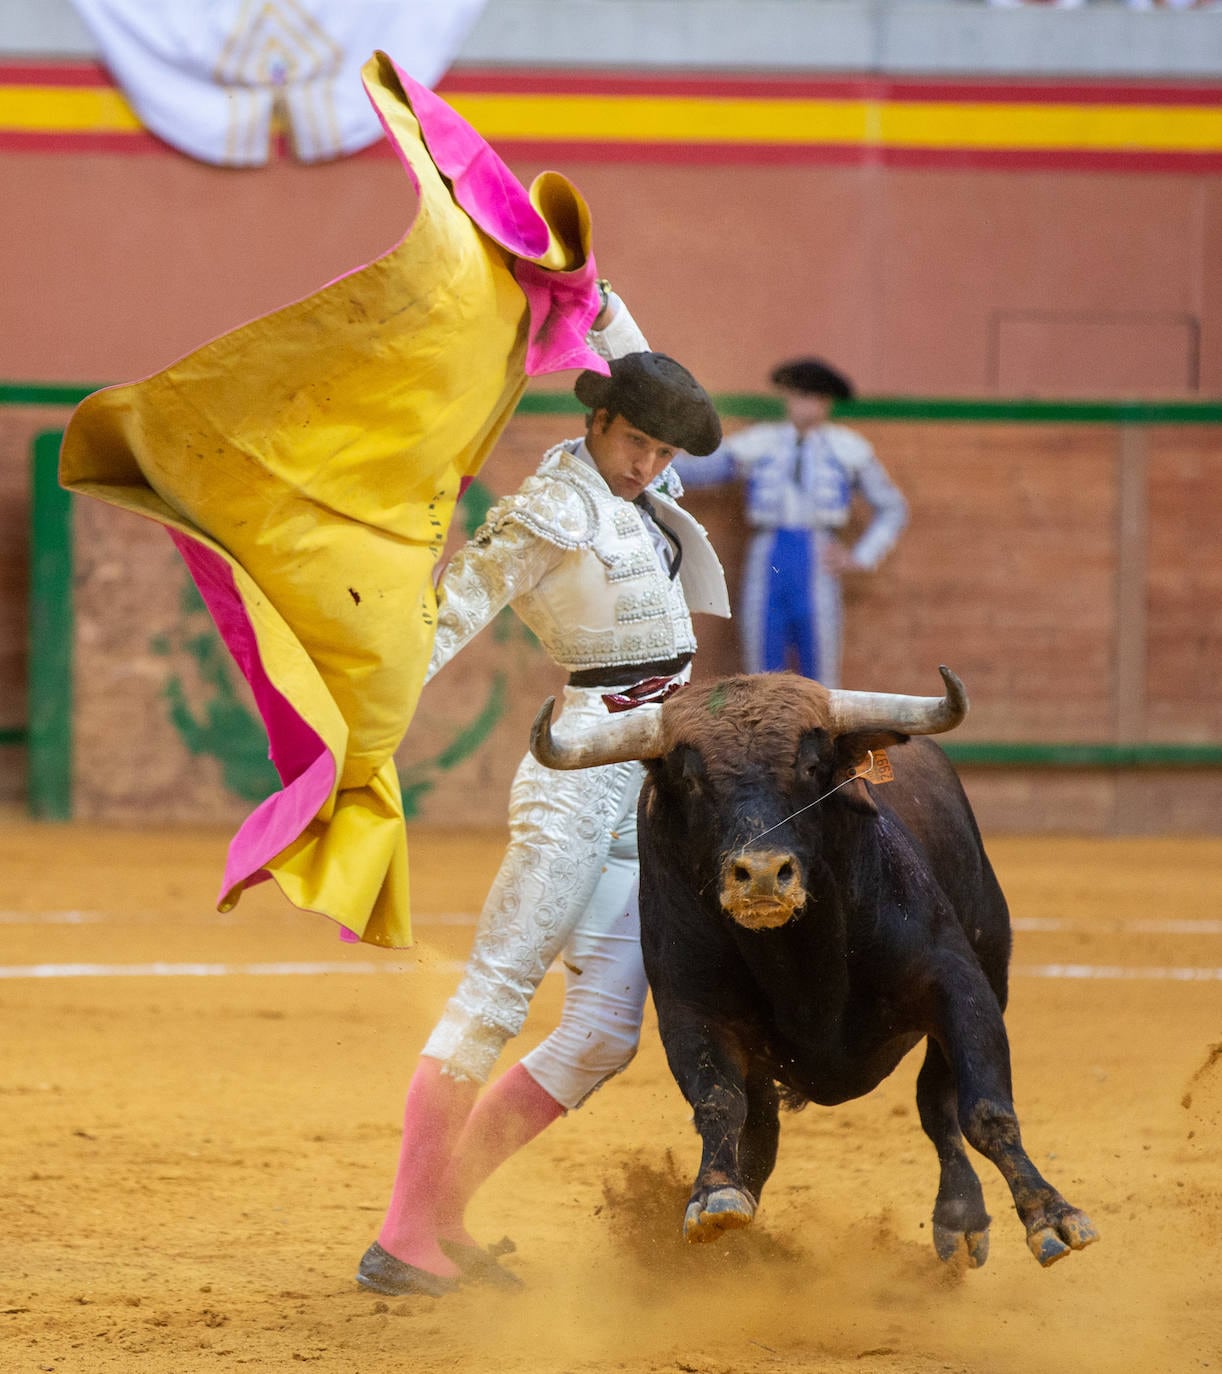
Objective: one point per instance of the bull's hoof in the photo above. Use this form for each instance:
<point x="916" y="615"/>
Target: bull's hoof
<point x="722" y="1209"/>
<point x="1052" y="1238"/>
<point x="972" y="1246"/>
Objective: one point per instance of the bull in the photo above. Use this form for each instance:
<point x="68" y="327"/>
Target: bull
<point x="805" y="925"/>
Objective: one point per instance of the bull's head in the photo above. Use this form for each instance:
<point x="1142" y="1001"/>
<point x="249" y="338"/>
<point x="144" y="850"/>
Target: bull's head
<point x="742" y="766"/>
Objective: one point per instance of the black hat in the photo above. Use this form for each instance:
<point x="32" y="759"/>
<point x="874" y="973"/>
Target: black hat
<point x="657" y="395"/>
<point x="813" y="376"/>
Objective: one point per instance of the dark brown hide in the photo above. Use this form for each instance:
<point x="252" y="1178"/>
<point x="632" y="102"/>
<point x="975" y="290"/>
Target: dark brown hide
<point x="764" y="717"/>
<point x="803" y="932"/>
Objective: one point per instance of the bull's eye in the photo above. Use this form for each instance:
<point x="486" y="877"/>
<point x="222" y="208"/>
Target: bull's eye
<point x="691" y="772"/>
<point x="691" y="786"/>
<point x="811" y="756"/>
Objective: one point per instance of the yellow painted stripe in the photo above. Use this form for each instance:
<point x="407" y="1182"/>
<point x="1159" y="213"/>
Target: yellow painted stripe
<point x="913" y="124"/>
<point x="916" y="124"/>
<point x="66" y="109"/>
<point x="728" y="121"/>
<point x="664" y="119"/>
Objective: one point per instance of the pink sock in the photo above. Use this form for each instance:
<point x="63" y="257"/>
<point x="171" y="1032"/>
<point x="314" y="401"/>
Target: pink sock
<point x="437" y="1107"/>
<point x="512" y="1112"/>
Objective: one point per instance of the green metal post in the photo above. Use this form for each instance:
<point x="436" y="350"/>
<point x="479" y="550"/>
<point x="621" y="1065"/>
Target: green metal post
<point x="49" y="729"/>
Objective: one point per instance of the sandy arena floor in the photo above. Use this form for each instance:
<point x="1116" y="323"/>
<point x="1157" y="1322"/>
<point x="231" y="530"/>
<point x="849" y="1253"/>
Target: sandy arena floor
<point x="193" y="1165"/>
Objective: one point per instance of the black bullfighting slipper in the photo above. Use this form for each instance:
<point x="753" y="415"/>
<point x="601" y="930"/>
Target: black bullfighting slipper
<point x="480" y="1264"/>
<point x="382" y="1273"/>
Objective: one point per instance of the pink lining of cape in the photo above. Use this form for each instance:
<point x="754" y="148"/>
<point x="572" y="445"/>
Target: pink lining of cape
<point x="563" y="305"/>
<point x="305" y="765"/>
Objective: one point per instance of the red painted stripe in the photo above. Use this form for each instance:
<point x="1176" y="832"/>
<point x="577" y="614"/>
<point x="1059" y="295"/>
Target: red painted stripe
<point x="473" y="81"/>
<point x="89" y="74"/>
<point x="554" y="153"/>
<point x="561" y="152"/>
<point x="681" y="154"/>
<point x="520" y="81"/>
<point x="1059" y="160"/>
<point x="1061" y="92"/>
<point x="32" y="141"/>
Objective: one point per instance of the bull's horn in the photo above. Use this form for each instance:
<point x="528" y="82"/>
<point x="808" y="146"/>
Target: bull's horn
<point x="909" y="715"/>
<point x="635" y="734"/>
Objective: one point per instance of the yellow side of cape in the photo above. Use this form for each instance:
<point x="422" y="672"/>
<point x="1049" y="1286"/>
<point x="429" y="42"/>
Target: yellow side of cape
<point x="319" y="452"/>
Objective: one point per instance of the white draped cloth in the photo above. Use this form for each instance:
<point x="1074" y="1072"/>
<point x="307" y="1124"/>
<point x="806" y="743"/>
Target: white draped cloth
<point x="210" y="76"/>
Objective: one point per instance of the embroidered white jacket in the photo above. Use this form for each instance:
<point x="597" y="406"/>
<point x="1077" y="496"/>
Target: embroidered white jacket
<point x="578" y="564"/>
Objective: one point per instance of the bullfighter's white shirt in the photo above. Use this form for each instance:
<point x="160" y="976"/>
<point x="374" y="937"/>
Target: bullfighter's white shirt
<point x="579" y="566"/>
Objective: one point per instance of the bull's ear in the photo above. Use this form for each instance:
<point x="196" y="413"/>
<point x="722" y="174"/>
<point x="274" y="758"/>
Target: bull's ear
<point x="853" y="749"/>
<point x="856" y="796"/>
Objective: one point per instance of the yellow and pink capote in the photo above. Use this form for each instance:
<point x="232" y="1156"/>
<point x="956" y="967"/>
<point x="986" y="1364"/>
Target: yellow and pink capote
<point x="307" y="465"/>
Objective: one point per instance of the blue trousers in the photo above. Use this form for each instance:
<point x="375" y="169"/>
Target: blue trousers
<point x="790" y="606"/>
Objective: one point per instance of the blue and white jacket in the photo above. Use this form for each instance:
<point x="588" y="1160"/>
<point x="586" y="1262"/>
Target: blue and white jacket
<point x="806" y="483"/>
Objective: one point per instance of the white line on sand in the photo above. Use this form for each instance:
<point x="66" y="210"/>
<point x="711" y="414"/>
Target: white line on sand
<point x="1148" y="926"/>
<point x="1189" y="974"/>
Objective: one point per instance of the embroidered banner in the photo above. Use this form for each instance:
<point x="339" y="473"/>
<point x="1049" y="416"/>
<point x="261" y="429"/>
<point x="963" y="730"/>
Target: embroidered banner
<point x="217" y="80"/>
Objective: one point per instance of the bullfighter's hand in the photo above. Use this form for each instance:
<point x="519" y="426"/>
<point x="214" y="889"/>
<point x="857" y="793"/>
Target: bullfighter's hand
<point x="608" y="304"/>
<point x="838" y="559"/>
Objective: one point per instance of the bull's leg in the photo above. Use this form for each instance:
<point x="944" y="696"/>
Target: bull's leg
<point x="960" y="1221"/>
<point x="710" y="1070"/>
<point x="974" y="1039"/>
<point x="761" y="1131"/>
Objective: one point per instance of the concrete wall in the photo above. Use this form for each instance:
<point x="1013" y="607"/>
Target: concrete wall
<point x="913" y="36"/>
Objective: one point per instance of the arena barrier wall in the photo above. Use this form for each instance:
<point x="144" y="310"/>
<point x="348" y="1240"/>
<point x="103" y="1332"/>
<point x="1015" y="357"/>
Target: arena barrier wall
<point x="1062" y="557"/>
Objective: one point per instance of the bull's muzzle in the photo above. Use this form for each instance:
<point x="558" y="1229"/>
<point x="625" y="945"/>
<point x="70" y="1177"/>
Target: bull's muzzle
<point x="762" y="888"/>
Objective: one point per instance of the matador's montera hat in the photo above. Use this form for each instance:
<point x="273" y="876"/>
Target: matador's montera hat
<point x="813" y="377"/>
<point x="658" y="395"/>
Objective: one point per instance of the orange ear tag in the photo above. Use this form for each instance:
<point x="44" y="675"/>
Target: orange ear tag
<point x="877" y="768"/>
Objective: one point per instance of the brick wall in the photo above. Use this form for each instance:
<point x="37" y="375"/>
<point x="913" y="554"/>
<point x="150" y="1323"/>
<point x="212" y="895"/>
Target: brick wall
<point x="1185" y="585"/>
<point x="1010" y="571"/>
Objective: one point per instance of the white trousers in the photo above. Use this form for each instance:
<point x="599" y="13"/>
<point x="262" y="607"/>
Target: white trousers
<point x="567" y="888"/>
